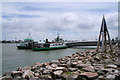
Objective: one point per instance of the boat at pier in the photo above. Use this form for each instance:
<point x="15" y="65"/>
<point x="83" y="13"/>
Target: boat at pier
<point x="58" y="43"/>
<point x="28" y="44"/>
<point x="49" y="46"/>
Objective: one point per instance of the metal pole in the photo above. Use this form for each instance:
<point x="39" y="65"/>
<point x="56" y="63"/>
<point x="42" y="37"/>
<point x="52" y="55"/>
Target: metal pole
<point x="103" y="42"/>
<point x="98" y="42"/>
<point x="109" y="41"/>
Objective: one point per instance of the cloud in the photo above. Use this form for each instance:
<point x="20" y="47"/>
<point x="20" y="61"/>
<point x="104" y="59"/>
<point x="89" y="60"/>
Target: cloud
<point x="72" y="24"/>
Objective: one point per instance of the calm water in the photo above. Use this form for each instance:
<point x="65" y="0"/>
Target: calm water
<point x="12" y="58"/>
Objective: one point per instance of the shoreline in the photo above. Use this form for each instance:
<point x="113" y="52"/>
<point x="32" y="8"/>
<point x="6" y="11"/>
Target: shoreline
<point x="87" y="65"/>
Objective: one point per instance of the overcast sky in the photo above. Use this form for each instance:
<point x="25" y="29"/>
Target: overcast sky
<point x="74" y="21"/>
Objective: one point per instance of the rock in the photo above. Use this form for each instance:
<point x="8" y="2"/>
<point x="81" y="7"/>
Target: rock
<point x="62" y="65"/>
<point x="99" y="67"/>
<point x="20" y="69"/>
<point x="41" y="69"/>
<point x="69" y="63"/>
<point x="7" y="74"/>
<point x="115" y="72"/>
<point x="69" y="56"/>
<point x="17" y="78"/>
<point x="87" y="51"/>
<point x="110" y="77"/>
<point x="48" y="67"/>
<point x="38" y="71"/>
<point x="107" y="70"/>
<point x="45" y="77"/>
<point x="97" y="58"/>
<point x="89" y="75"/>
<point x="16" y="73"/>
<point x="63" y="62"/>
<point x="108" y="61"/>
<point x="7" y="78"/>
<point x="77" y="72"/>
<point x="72" y="69"/>
<point x="93" y="51"/>
<point x="36" y="74"/>
<point x="101" y="73"/>
<point x="35" y="78"/>
<point x="59" y="72"/>
<point x="79" y="62"/>
<point x="46" y="72"/>
<point x="53" y="61"/>
<point x="82" y="54"/>
<point x="35" y="67"/>
<point x="61" y="68"/>
<point x="101" y="77"/>
<point x="81" y="58"/>
<point x="47" y="63"/>
<point x="89" y="69"/>
<point x="38" y="64"/>
<point x="83" y="65"/>
<point x="69" y="76"/>
<point x="54" y="65"/>
<point x="94" y="64"/>
<point x="117" y="77"/>
<point x="74" y="64"/>
<point x="76" y="58"/>
<point x="27" y="68"/>
<point x="28" y="74"/>
<point x="111" y="66"/>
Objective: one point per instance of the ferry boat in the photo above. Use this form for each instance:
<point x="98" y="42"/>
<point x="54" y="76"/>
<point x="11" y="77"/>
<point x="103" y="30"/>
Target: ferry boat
<point x="49" y="46"/>
<point x="28" y="44"/>
<point x="58" y="43"/>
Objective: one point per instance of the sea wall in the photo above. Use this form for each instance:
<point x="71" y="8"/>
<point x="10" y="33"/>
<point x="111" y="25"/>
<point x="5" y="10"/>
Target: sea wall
<point x="88" y="65"/>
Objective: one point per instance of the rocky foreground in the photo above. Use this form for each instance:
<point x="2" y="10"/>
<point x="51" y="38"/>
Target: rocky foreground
<point x="88" y="65"/>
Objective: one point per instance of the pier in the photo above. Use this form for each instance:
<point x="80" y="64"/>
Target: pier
<point x="87" y="43"/>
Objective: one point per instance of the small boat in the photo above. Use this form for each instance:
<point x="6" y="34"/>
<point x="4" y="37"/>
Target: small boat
<point x="49" y="46"/>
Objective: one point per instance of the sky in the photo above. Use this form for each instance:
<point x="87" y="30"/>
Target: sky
<point x="73" y="20"/>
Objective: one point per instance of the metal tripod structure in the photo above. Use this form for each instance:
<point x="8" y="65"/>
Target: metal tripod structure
<point x="104" y="33"/>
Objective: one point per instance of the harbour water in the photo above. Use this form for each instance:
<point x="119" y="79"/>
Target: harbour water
<point x="12" y="58"/>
